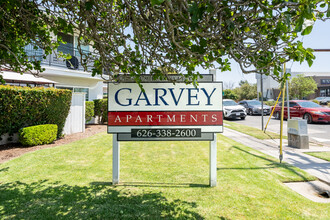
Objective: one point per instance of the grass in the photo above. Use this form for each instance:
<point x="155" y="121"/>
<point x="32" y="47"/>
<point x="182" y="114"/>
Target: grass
<point x="325" y="155"/>
<point x="254" y="132"/>
<point x="158" y="180"/>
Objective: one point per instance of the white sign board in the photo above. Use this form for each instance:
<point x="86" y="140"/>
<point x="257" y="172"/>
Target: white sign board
<point x="165" y="111"/>
<point x="164" y="105"/>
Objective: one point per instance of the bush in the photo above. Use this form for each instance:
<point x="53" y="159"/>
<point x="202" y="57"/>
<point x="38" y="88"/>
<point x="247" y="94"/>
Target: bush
<point x="229" y="94"/>
<point x="316" y="101"/>
<point x="24" y="106"/>
<point x="101" y="109"/>
<point x="38" y="135"/>
<point x="270" y="103"/>
<point x="89" y="110"/>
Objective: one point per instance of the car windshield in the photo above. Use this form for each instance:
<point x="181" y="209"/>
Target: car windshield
<point x="309" y="105"/>
<point x="229" y="103"/>
<point x="254" y="102"/>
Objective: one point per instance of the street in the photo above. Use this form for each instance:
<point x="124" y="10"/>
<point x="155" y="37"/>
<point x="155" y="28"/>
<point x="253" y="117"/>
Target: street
<point x="319" y="132"/>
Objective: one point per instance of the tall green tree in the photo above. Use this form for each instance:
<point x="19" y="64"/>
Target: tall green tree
<point x="139" y="36"/>
<point x="24" y="22"/>
<point x="246" y="90"/>
<point x="229" y="94"/>
<point x="301" y="87"/>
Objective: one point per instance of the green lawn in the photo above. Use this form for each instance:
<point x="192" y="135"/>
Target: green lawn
<point x="254" y="132"/>
<point x="325" y="155"/>
<point x="158" y="180"/>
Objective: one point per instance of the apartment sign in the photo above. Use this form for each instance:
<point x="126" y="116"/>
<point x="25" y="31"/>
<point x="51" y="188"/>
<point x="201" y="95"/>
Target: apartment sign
<point x="165" y="109"/>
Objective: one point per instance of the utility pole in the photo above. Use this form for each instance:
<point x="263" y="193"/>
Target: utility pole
<point x="262" y="103"/>
<point x="287" y="92"/>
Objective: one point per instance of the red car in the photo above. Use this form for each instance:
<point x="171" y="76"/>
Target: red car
<point x="308" y="110"/>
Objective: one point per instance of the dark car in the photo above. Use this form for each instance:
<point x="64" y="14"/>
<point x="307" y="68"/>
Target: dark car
<point x="253" y="107"/>
<point x="325" y="101"/>
<point x="308" y="110"/>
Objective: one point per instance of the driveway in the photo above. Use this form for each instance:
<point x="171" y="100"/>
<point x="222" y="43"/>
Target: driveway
<point x="319" y="132"/>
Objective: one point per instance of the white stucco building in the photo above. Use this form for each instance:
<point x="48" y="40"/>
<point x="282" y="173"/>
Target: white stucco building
<point x="63" y="74"/>
<point x="271" y="86"/>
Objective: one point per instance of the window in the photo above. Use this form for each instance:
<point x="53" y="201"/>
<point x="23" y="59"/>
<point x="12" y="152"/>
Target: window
<point x="85" y="90"/>
<point x="229" y="103"/>
<point x="292" y="104"/>
<point x="66" y="48"/>
<point x="33" y="52"/>
<point x="77" y="89"/>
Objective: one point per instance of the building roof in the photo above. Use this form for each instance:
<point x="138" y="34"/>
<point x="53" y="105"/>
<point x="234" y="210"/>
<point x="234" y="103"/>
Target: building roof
<point x="311" y="73"/>
<point x="9" y="76"/>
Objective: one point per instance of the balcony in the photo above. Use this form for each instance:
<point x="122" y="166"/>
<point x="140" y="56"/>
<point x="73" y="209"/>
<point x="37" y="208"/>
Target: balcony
<point x="54" y="60"/>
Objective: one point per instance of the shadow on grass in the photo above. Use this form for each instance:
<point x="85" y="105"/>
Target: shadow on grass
<point x="273" y="164"/>
<point x="4" y="169"/>
<point x="45" y="200"/>
<point x="246" y="168"/>
<point x="156" y="185"/>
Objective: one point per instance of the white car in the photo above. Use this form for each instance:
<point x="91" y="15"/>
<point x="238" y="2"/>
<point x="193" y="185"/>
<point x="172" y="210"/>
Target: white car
<point x="233" y="110"/>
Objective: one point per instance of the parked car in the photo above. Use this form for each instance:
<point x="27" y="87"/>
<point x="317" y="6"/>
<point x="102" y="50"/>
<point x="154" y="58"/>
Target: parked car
<point x="308" y="110"/>
<point x="319" y="98"/>
<point x="233" y="110"/>
<point x="253" y="107"/>
<point x="325" y="101"/>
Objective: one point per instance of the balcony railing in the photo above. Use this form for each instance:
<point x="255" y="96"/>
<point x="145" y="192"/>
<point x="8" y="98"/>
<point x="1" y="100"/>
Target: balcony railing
<point x="54" y="60"/>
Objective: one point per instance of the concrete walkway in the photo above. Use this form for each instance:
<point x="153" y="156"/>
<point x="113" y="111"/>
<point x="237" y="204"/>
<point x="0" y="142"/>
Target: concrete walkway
<point x="312" y="165"/>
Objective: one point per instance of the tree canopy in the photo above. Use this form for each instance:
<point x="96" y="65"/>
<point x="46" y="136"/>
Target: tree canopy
<point x="301" y="87"/>
<point x="246" y="90"/>
<point x="149" y="36"/>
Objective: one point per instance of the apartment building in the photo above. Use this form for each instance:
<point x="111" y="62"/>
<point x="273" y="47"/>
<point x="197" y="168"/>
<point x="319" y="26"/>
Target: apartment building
<point x="61" y="73"/>
<point x="271" y="87"/>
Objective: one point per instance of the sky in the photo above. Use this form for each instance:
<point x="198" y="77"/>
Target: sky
<point x="319" y="38"/>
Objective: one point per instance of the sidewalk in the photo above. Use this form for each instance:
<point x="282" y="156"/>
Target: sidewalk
<point x="312" y="165"/>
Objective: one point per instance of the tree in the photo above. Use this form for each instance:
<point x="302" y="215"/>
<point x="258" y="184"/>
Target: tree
<point x="139" y="36"/>
<point x="246" y="90"/>
<point x="229" y="94"/>
<point x="300" y="87"/>
<point x="23" y="22"/>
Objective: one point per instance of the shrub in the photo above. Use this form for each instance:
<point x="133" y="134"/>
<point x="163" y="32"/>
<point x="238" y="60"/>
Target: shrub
<point x="89" y="110"/>
<point x="24" y="106"/>
<point x="316" y="101"/>
<point x="229" y="94"/>
<point x="101" y="109"/>
<point x="38" y="135"/>
<point x="270" y="103"/>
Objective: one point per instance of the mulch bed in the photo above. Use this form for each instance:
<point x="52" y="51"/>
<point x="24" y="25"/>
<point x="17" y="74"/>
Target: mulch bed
<point x="10" y="151"/>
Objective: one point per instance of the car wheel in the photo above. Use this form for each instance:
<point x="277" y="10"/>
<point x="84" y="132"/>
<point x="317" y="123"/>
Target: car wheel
<point x="308" y="117"/>
<point x="250" y="112"/>
<point x="277" y="115"/>
<point x="243" y="118"/>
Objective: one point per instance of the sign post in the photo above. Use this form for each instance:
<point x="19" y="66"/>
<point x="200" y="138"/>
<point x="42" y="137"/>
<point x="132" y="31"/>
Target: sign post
<point x="115" y="159"/>
<point x="165" y="112"/>
<point x="213" y="150"/>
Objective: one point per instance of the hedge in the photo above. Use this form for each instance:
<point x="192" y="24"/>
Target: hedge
<point x="270" y="103"/>
<point x="89" y="111"/>
<point x="101" y="109"/>
<point x="316" y="101"/>
<point x="38" y="135"/>
<point x="24" y="106"/>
